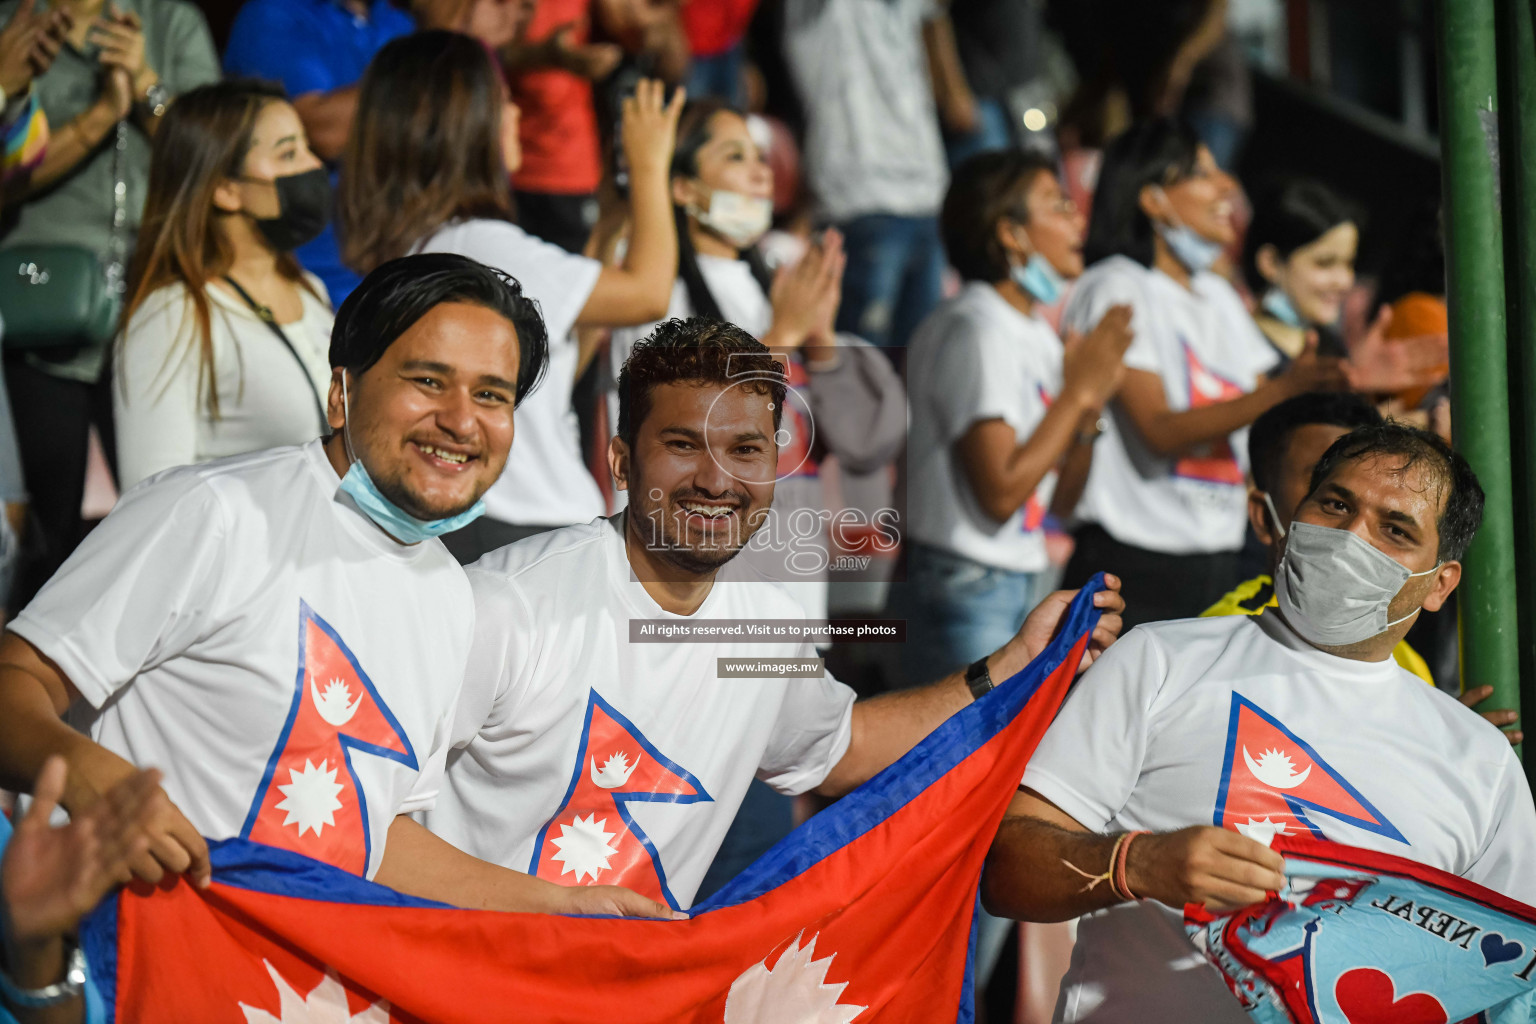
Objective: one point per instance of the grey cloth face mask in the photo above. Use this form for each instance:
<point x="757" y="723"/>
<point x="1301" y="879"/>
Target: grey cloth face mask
<point x="1334" y="588"/>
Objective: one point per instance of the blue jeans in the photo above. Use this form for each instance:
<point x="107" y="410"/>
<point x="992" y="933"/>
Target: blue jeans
<point x="894" y="279"/>
<point x="765" y="817"/>
<point x="718" y="76"/>
<point x="958" y="610"/>
<point x="993" y="131"/>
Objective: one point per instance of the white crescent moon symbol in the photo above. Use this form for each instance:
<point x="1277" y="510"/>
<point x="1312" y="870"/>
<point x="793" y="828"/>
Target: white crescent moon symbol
<point x="331" y="715"/>
<point x="1270" y="777"/>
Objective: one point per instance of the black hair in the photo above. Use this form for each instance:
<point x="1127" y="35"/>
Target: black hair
<point x="985" y="189"/>
<point x="401" y="291"/>
<point x="1289" y="215"/>
<point x="1157" y="152"/>
<point x="1461" y="506"/>
<point x="1271" y="432"/>
<point x="699" y="350"/>
<point x="693" y="134"/>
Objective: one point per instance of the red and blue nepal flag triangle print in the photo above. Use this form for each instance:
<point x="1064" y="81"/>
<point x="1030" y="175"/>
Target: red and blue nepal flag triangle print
<point x="863" y="913"/>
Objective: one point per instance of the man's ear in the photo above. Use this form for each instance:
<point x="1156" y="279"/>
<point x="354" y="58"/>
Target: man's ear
<point x="335" y="408"/>
<point x="1259" y="519"/>
<point x="618" y="462"/>
<point x="1445" y="582"/>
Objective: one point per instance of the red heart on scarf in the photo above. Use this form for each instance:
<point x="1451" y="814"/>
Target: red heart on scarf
<point x="1367" y="996"/>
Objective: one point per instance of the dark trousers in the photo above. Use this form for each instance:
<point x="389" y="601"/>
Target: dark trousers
<point x="564" y="220"/>
<point x="1155" y="586"/>
<point x="53" y="422"/>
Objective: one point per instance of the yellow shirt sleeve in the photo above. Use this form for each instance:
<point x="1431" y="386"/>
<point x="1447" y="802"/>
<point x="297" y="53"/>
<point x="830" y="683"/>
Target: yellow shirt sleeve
<point x="1250" y="597"/>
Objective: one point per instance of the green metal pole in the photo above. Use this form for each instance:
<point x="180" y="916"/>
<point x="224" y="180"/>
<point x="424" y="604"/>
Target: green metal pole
<point x="1517" y="74"/>
<point x="1469" y="149"/>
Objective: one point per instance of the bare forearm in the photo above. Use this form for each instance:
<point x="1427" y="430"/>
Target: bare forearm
<point x="950" y="89"/>
<point x="1027" y="877"/>
<point x="886" y="727"/>
<point x="1072" y="479"/>
<point x="418" y="863"/>
<point x="1171" y="434"/>
<point x="30" y="729"/>
<point x="640" y="290"/>
<point x="72" y="144"/>
<point x="327" y="118"/>
<point x="1028" y="463"/>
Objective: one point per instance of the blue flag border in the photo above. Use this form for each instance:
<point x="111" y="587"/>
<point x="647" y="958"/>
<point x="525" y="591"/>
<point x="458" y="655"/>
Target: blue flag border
<point x="243" y="864"/>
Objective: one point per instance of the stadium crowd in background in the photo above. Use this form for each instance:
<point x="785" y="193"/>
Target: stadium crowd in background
<point x="648" y="309"/>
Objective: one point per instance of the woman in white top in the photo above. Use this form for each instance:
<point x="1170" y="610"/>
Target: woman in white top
<point x="426" y="170"/>
<point x="1165" y="503"/>
<point x="1299" y="259"/>
<point x="998" y="408"/>
<point x="224" y="349"/>
<point x="845" y="398"/>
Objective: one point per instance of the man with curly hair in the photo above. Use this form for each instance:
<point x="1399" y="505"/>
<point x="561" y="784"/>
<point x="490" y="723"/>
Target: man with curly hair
<point x="603" y="737"/>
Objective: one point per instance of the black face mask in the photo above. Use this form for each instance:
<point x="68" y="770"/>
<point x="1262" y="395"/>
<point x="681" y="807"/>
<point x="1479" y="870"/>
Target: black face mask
<point x="304" y="209"/>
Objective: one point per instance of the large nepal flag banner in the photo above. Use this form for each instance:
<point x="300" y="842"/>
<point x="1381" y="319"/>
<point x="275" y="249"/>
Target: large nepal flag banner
<point x="1358" y="937"/>
<point x="864" y="913"/>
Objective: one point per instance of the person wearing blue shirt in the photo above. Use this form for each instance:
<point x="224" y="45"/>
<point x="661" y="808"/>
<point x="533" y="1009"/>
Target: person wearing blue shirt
<point x="50" y="878"/>
<point x="318" y="49"/>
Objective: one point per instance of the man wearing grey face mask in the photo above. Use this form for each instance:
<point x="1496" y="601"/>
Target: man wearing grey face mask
<point x="1284" y="445"/>
<point x="1297" y="723"/>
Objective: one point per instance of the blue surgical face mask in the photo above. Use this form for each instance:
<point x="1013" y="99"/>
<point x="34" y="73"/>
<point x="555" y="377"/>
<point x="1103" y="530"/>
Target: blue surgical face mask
<point x="1191" y="250"/>
<point x="1039" y="279"/>
<point x="388" y="516"/>
<point x="1278" y="305"/>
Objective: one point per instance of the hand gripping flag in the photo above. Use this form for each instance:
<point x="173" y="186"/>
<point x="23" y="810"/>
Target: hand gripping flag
<point x="1358" y="937"/>
<point x="862" y="914"/>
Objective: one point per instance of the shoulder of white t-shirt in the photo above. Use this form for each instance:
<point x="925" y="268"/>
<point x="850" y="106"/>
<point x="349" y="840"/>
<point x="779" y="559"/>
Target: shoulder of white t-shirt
<point x="1121" y="275"/>
<point x="456" y="233"/>
<point x="552" y="551"/>
<point x="1186" y="634"/>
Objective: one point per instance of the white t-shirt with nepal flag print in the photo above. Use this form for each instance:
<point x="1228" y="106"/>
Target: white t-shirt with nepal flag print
<point x="1206" y="349"/>
<point x="290" y="667"/>
<point x="1239" y="723"/>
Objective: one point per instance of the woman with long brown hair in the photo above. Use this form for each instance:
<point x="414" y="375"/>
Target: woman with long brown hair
<point x="426" y="170"/>
<point x="225" y="338"/>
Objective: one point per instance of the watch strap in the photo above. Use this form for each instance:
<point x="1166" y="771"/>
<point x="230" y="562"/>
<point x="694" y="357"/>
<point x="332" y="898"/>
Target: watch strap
<point x="72" y="985"/>
<point x="978" y="679"/>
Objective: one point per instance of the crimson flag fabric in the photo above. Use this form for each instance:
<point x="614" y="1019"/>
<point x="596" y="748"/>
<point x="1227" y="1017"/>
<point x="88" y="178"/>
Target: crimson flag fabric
<point x="864" y="913"/>
<point x="1359" y="937"/>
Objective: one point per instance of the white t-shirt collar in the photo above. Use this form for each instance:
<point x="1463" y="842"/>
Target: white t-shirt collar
<point x="1279" y="631"/>
<point x="624" y="581"/>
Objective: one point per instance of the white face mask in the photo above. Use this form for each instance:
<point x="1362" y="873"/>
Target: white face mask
<point x="1335" y="588"/>
<point x="740" y="220"/>
<point x="1274" y="516"/>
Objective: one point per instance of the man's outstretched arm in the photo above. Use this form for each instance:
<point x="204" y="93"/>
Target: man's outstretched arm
<point x="1045" y="866"/>
<point x="418" y="863"/>
<point x="886" y="727"/>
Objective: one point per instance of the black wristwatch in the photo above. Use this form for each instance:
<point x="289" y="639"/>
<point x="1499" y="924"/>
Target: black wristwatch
<point x="978" y="679"/>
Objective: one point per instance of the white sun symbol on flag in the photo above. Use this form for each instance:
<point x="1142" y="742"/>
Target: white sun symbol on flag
<point x="325" y="1004"/>
<point x="1263" y="831"/>
<point x="795" y="991"/>
<point x="310" y="797"/>
<point x="583" y="846"/>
